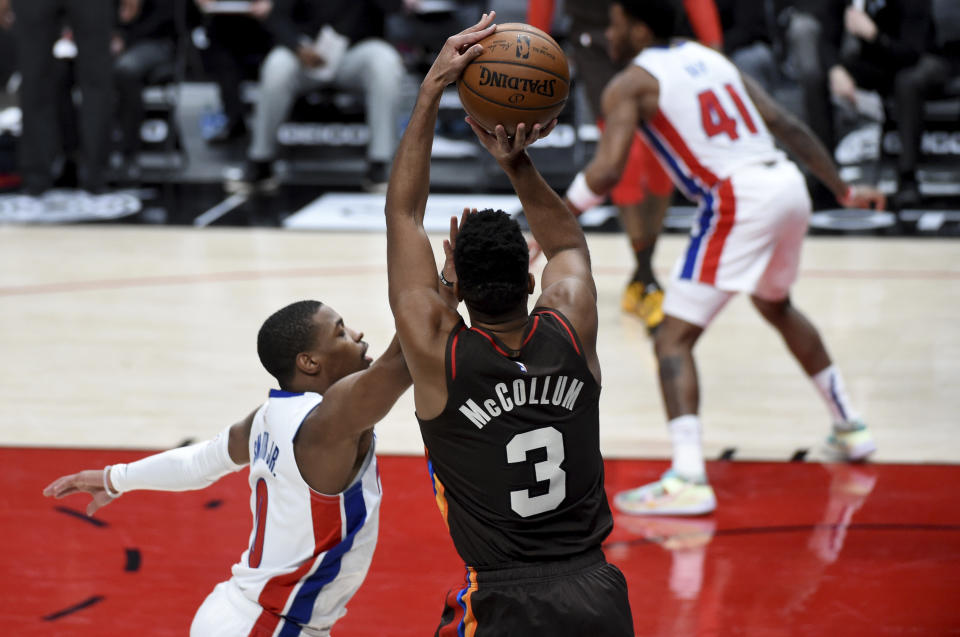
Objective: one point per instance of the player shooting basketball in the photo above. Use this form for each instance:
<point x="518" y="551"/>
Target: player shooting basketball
<point x="508" y="408"/>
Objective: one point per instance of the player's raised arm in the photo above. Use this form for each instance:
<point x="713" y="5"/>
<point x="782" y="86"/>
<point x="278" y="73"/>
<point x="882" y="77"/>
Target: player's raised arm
<point x="182" y="469"/>
<point x="805" y="146"/>
<point x="423" y="316"/>
<point x="410" y="262"/>
<point x="567" y="281"/>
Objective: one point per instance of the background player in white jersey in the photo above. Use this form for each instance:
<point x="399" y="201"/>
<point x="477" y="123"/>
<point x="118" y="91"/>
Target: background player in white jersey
<point x="315" y="490"/>
<point x="711" y="129"/>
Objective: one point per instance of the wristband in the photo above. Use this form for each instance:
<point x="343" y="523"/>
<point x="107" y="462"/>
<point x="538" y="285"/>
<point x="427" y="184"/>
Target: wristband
<point x="443" y="280"/>
<point x="580" y="195"/>
<point x="106" y="483"/>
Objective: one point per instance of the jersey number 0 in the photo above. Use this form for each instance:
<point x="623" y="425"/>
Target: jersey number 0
<point x="545" y="471"/>
<point x="256" y="546"/>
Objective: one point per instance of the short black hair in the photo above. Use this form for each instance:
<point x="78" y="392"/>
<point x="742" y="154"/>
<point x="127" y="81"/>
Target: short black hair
<point x="286" y="333"/>
<point x="492" y="261"/>
<point x="659" y="15"/>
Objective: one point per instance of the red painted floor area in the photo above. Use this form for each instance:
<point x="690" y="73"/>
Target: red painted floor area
<point x="795" y="549"/>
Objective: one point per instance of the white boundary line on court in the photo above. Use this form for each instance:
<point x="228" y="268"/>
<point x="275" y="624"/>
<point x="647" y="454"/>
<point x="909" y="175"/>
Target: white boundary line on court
<point x="220" y="209"/>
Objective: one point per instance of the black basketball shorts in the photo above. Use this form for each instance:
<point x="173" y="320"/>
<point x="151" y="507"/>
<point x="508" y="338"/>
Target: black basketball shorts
<point x="584" y="596"/>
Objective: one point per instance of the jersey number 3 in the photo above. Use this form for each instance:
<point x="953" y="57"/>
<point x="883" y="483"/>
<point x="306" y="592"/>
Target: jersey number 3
<point x="715" y="119"/>
<point x="545" y="471"/>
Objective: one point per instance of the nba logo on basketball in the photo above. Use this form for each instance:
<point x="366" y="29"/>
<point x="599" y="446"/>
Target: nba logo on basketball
<point x="520" y="77"/>
<point x="523" y="46"/>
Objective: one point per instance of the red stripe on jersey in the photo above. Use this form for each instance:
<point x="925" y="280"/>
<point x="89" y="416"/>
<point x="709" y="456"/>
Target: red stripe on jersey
<point x="536" y="321"/>
<point x="492" y="342"/>
<point x="266" y="624"/>
<point x="662" y="125"/>
<point x="453" y="354"/>
<point x="565" y="326"/>
<point x="327" y="522"/>
<point x="725" y="218"/>
<point x="327" y="532"/>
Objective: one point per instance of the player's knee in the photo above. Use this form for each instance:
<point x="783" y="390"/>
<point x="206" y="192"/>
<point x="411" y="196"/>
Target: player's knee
<point x="674" y="337"/>
<point x="279" y="69"/>
<point x="383" y="70"/>
<point x="772" y="311"/>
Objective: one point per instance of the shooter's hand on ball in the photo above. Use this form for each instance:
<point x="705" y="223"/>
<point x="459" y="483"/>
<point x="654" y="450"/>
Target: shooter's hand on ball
<point x="458" y="51"/>
<point x="505" y="149"/>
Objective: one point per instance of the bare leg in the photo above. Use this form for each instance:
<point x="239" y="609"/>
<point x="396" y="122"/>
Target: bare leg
<point x="801" y="336"/>
<point x="684" y="489"/>
<point x="850" y="438"/>
<point x="644" y="294"/>
<point x="678" y="370"/>
<point x="642" y="223"/>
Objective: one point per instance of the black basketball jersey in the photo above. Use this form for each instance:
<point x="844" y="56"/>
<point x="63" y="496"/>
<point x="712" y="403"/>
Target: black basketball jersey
<point x="515" y="454"/>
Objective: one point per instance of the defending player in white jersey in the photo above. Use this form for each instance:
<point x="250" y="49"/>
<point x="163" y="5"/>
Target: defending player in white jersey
<point x="711" y="129"/>
<point x="315" y="490"/>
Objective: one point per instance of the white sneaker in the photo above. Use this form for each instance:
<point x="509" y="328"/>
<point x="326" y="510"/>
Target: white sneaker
<point x="852" y="441"/>
<point x="672" y="494"/>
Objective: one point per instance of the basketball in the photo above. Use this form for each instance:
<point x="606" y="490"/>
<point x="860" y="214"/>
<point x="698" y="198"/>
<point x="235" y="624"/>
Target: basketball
<point x="521" y="77"/>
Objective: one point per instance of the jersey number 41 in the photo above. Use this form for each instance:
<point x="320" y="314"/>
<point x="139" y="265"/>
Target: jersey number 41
<point x="715" y="119"/>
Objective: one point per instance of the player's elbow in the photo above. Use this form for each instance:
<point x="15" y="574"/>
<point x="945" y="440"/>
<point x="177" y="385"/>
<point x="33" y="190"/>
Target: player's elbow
<point x="602" y="175"/>
<point x="604" y="179"/>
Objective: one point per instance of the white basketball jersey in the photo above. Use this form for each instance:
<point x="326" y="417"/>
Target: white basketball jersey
<point x="308" y="552"/>
<point x="706" y="126"/>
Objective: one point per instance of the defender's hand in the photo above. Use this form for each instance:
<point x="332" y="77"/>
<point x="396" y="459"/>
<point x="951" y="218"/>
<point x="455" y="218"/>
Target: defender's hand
<point x="448" y="269"/>
<point x="457" y="52"/>
<point x="90" y="481"/>
<point x="535" y="250"/>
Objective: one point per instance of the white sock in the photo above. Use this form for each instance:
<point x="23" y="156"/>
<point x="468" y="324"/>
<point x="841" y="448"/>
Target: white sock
<point x="687" y="452"/>
<point x="829" y="383"/>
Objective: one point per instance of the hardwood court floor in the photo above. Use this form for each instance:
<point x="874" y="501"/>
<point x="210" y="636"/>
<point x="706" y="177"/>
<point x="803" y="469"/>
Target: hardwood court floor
<point x="118" y="338"/>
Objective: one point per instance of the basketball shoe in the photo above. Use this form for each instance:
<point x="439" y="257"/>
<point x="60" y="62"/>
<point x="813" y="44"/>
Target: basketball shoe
<point x="645" y="301"/>
<point x="672" y="494"/>
<point x="852" y="441"/>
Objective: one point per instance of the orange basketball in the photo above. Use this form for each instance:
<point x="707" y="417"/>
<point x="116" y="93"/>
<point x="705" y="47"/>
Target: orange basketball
<point x="521" y="76"/>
